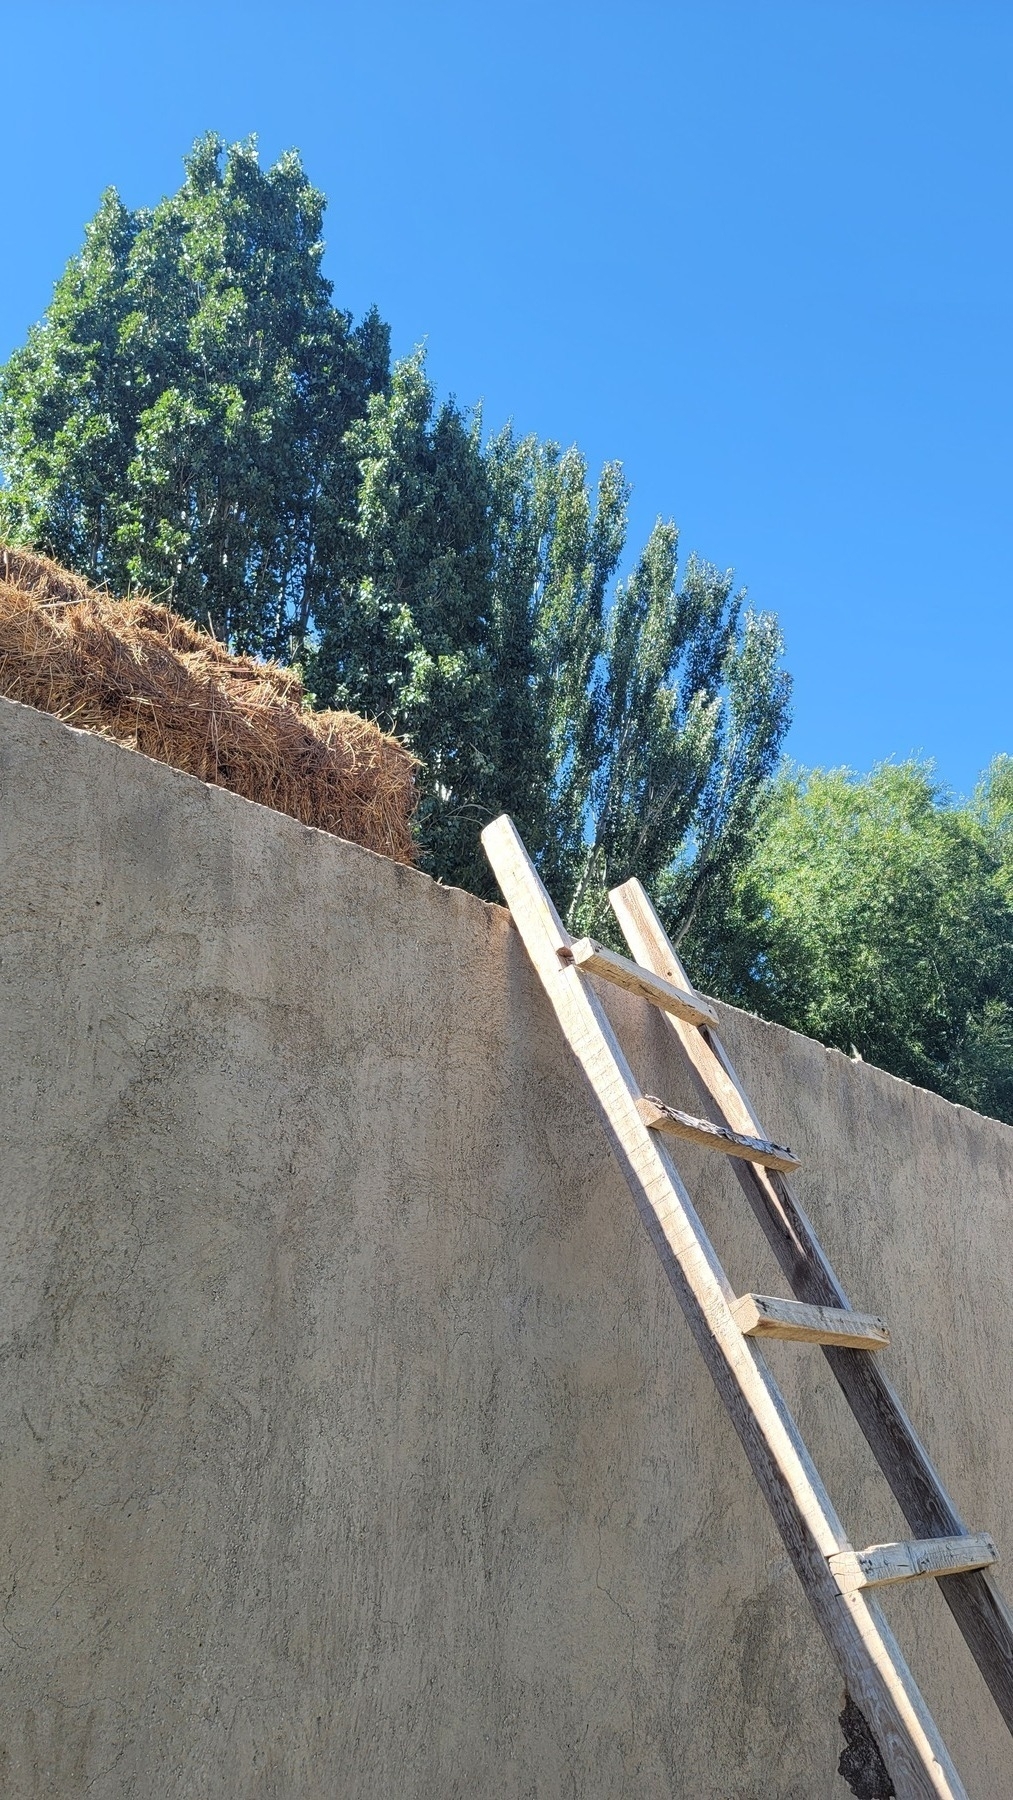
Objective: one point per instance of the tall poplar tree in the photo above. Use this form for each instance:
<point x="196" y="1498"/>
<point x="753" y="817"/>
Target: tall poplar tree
<point x="177" y="420"/>
<point x="407" y="640"/>
<point x="627" y="728"/>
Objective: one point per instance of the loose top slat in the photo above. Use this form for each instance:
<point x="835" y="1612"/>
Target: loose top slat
<point x="682" y="1003"/>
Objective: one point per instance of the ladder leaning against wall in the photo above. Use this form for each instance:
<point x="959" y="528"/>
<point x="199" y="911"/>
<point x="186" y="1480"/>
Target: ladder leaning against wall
<point x="840" y="1581"/>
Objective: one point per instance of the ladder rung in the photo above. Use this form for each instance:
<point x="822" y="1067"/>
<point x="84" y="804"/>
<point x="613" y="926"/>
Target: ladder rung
<point x="660" y="1117"/>
<point x="765" y="1316"/>
<point x="594" y="959"/>
<point x="883" y="1563"/>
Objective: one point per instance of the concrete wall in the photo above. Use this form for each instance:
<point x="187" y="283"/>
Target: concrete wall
<point x="353" y="1443"/>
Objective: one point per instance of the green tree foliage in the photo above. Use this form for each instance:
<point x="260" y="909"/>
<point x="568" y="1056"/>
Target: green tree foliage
<point x="178" y="418"/>
<point x="193" y="415"/>
<point x="875" y="916"/>
<point x="407" y="639"/>
<point x="627" y="728"/>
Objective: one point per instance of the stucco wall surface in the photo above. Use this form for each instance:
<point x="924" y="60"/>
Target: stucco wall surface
<point x="353" y="1443"/>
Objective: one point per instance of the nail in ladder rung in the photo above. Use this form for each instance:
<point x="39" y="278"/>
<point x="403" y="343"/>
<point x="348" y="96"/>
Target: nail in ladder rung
<point x="867" y="1654"/>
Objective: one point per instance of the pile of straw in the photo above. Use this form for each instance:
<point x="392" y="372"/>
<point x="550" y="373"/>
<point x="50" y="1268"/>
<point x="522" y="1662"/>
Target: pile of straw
<point x="138" y="673"/>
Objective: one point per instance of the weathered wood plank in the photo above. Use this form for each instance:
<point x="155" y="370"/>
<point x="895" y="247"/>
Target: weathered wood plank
<point x="658" y="1116"/>
<point x="867" y="1654"/>
<point x="881" y="1564"/>
<point x="975" y="1599"/>
<point x="764" y="1315"/>
<point x="594" y="959"/>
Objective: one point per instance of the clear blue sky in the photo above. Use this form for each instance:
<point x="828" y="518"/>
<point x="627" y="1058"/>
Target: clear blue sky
<point x="760" y="251"/>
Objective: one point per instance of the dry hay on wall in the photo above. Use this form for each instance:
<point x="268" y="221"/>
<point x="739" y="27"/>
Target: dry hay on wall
<point x="142" y="675"/>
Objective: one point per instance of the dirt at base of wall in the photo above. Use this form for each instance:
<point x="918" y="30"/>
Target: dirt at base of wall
<point x="137" y="672"/>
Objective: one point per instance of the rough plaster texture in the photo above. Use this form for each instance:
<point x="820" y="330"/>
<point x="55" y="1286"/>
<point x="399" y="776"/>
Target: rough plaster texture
<point x="353" y="1443"/>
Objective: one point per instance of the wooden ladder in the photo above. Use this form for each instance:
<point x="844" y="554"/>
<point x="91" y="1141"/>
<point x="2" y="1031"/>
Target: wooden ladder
<point x="839" y="1580"/>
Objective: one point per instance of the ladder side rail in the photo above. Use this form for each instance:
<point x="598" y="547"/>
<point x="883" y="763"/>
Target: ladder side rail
<point x="856" y="1630"/>
<point x="975" y="1599"/>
